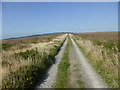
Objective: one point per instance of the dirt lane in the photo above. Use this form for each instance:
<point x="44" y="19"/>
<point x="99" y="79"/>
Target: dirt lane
<point x="52" y="72"/>
<point x="75" y="79"/>
<point x="80" y="71"/>
<point x="89" y="75"/>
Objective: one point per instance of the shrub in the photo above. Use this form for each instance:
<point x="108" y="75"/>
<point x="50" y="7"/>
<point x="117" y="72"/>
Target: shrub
<point x="6" y="46"/>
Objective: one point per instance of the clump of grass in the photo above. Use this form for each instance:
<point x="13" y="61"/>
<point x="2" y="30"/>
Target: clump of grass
<point x="62" y="75"/>
<point x="6" y="46"/>
<point x="108" y="45"/>
<point x="80" y="83"/>
<point x="29" y="53"/>
<point x="23" y="46"/>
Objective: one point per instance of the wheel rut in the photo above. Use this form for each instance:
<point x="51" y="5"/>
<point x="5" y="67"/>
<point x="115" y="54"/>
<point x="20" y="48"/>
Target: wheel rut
<point x="75" y="79"/>
<point x="89" y="75"/>
<point x="51" y="74"/>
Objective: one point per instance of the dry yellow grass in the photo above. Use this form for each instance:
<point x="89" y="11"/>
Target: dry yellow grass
<point x="43" y="43"/>
<point x="104" y="60"/>
<point x="101" y="36"/>
<point x="42" y="46"/>
<point x="13" y="63"/>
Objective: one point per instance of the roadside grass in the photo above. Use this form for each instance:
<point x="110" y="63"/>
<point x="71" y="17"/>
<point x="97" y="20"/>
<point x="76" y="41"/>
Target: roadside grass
<point x="108" y="40"/>
<point x="106" y="73"/>
<point x="23" y="42"/>
<point x="110" y="45"/>
<point x="62" y="75"/>
<point x="104" y="59"/>
<point x="26" y="75"/>
<point x="80" y="83"/>
<point x="100" y="36"/>
<point x="21" y="70"/>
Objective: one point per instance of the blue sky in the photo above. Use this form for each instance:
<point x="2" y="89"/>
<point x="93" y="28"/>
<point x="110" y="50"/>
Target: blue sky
<point x="29" y="18"/>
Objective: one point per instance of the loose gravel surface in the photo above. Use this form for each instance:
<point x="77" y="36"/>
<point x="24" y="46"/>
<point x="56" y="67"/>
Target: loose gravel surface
<point x="52" y="72"/>
<point x="89" y="75"/>
<point x="75" y="79"/>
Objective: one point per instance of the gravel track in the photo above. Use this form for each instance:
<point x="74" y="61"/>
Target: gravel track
<point x="75" y="80"/>
<point x="52" y="72"/>
<point x="89" y="75"/>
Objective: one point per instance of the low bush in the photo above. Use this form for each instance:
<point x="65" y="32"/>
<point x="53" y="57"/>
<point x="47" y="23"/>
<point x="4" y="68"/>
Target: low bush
<point x="6" y="46"/>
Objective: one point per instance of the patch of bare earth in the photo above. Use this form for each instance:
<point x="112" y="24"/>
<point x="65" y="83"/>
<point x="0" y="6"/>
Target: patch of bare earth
<point x="75" y="80"/>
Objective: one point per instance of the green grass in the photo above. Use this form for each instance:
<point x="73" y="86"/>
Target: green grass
<point x="22" y="46"/>
<point x="80" y="83"/>
<point x="111" y="46"/>
<point x="62" y="75"/>
<point x="6" y="46"/>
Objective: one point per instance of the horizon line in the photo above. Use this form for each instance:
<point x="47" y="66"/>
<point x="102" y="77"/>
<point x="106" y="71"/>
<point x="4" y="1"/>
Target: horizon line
<point x="52" y="33"/>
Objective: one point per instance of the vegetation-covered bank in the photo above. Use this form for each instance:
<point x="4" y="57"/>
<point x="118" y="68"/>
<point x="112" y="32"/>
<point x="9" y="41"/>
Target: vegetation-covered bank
<point x="21" y="69"/>
<point x="103" y="55"/>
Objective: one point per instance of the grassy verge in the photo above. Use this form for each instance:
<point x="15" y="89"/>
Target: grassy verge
<point x="62" y="76"/>
<point x="32" y="65"/>
<point x="105" y="67"/>
<point x="110" y="45"/>
<point x="23" y="42"/>
<point x="108" y="40"/>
